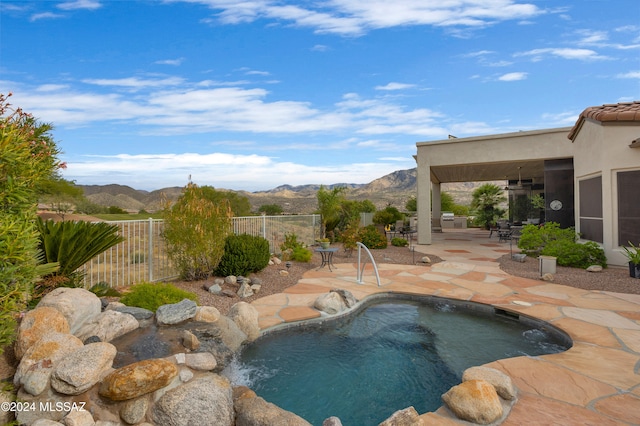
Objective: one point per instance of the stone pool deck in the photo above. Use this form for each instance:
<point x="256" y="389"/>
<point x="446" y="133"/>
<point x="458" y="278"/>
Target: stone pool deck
<point x="596" y="382"/>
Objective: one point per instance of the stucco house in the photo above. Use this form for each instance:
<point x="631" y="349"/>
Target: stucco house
<point x="588" y="174"/>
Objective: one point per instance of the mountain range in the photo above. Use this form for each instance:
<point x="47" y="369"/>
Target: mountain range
<point x="393" y="189"/>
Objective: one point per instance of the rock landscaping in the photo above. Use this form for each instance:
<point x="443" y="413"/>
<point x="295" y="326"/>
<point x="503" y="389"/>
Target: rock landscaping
<point x="66" y="373"/>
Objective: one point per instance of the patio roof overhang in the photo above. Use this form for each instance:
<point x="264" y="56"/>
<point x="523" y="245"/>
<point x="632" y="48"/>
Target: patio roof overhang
<point x="494" y="157"/>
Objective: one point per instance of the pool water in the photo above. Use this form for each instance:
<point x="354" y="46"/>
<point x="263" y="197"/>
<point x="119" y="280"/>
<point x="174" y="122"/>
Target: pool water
<point x="387" y="357"/>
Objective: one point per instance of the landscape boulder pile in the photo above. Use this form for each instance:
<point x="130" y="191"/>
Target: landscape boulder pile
<point x="66" y="373"/>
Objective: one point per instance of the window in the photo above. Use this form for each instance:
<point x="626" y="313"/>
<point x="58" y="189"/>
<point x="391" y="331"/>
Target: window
<point x="591" y="209"/>
<point x="629" y="207"/>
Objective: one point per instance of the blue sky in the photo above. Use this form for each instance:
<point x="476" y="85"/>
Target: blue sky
<point x="255" y="94"/>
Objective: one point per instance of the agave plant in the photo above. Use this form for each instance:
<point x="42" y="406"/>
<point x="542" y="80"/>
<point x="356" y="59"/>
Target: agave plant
<point x="71" y="245"/>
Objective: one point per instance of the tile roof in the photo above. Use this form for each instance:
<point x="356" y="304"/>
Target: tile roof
<point x="622" y="112"/>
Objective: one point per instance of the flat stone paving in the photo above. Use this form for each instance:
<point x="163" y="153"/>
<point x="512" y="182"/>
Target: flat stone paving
<point x="596" y="382"/>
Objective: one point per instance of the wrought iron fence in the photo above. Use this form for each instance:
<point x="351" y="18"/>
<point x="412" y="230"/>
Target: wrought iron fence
<point x="142" y="255"/>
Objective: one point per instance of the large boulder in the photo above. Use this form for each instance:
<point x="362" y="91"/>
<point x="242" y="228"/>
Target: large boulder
<point x="474" y="401"/>
<point x="347" y="296"/>
<point x="331" y="303"/>
<point x="138" y="379"/>
<point x="134" y="410"/>
<point x="108" y="326"/>
<point x="138" y="313"/>
<point x="222" y="338"/>
<point x="82" y="369"/>
<point x="35" y="324"/>
<point x="51" y="405"/>
<point x="40" y="360"/>
<point x="201" y="361"/>
<point x="258" y="412"/>
<point x="78" y="305"/>
<point x="407" y="417"/>
<point x="205" y="400"/>
<point x="246" y="317"/>
<point x="499" y="380"/>
<point x="207" y="314"/>
<point x="176" y="313"/>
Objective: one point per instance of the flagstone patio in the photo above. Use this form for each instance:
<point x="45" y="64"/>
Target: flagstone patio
<point x="596" y="382"/>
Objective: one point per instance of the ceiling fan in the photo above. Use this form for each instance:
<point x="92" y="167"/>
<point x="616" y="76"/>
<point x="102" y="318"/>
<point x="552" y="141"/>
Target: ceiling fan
<point x="519" y="184"/>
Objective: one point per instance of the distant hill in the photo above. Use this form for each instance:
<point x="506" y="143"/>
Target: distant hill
<point x="393" y="189"/>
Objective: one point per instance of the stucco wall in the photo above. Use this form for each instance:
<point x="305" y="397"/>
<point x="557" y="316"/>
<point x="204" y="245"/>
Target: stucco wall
<point x="604" y="150"/>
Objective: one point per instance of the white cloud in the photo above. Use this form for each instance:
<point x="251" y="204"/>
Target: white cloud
<point x="80" y="4"/>
<point x="230" y="171"/>
<point x="562" y="52"/>
<point x="355" y="17"/>
<point x="135" y="82"/>
<point x="166" y="107"/>
<point x="174" y="62"/>
<point x="630" y="74"/>
<point x="560" y="119"/>
<point x="45" y="15"/>
<point x="395" y="86"/>
<point x="513" y="76"/>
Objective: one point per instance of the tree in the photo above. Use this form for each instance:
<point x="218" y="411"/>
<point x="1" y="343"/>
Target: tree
<point x="485" y="201"/>
<point x="195" y="229"/>
<point x="240" y="205"/>
<point x="270" y="209"/>
<point x="61" y="195"/>
<point x="28" y="159"/>
<point x="389" y="215"/>
<point x="412" y="204"/>
<point x="329" y="203"/>
<point x="447" y="204"/>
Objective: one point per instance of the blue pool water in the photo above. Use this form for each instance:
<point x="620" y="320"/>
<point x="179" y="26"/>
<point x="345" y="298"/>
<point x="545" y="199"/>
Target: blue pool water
<point x="387" y="357"/>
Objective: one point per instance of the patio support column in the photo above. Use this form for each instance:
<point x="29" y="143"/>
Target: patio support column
<point x="423" y="199"/>
<point x="436" y="200"/>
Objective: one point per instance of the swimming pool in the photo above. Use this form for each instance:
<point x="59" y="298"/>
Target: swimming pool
<point x="386" y="357"/>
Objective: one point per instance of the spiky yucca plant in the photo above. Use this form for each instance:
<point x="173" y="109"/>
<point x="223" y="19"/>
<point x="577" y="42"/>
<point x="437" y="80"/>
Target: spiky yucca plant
<point x="72" y="244"/>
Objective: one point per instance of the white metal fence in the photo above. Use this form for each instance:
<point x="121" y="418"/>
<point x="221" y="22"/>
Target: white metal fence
<point x="142" y="255"/>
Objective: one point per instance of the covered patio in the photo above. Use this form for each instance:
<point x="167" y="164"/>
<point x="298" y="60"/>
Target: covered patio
<point x="533" y="162"/>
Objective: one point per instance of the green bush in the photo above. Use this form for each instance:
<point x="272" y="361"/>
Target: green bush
<point x="153" y="295"/>
<point x="290" y="242"/>
<point x="571" y="253"/>
<point x="534" y="238"/>
<point x="28" y="160"/>
<point x="195" y="229"/>
<point x="243" y="254"/>
<point x="301" y="254"/>
<point x="103" y="289"/>
<point x="372" y="238"/>
<point x="399" y="242"/>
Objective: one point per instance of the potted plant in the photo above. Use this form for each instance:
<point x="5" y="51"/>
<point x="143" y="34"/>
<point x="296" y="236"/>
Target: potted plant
<point x="633" y="255"/>
<point x="324" y="243"/>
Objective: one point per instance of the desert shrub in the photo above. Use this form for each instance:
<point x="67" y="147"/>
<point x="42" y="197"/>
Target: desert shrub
<point x="534" y="238"/>
<point x="195" y="229"/>
<point x="28" y="159"/>
<point x="301" y="254"/>
<point x="399" y="242"/>
<point x="574" y="254"/>
<point x="349" y="236"/>
<point x="243" y="254"/>
<point x="292" y="249"/>
<point x="153" y="295"/>
<point x="103" y="289"/>
<point x="372" y="238"/>
<point x="290" y="242"/>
